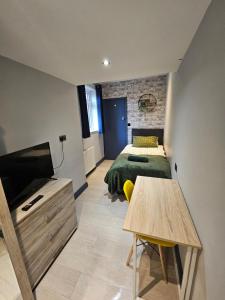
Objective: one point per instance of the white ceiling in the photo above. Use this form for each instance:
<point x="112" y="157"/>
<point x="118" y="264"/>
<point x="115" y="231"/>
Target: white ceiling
<point x="69" y="38"/>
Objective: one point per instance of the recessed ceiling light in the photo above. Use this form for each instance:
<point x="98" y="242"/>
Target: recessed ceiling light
<point x="106" y="62"/>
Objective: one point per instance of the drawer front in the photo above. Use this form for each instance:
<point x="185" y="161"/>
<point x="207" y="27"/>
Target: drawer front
<point x="44" y="232"/>
<point x="34" y="227"/>
<point x="32" y="248"/>
<point x="57" y="238"/>
<point x="43" y="214"/>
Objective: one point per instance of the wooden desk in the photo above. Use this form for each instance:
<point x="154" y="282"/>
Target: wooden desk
<point x="158" y="210"/>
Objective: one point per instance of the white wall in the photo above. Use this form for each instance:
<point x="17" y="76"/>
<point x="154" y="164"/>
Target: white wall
<point x="195" y="140"/>
<point x="96" y="140"/>
<point x="35" y="108"/>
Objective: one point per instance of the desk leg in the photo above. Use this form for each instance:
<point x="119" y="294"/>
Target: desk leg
<point x="185" y="273"/>
<point x="188" y="274"/>
<point x="191" y="273"/>
<point x="134" y="266"/>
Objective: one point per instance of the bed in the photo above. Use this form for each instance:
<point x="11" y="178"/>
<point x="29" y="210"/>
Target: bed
<point x="122" y="169"/>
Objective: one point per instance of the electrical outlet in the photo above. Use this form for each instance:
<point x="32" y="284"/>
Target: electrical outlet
<point x="175" y="167"/>
<point x="62" y="138"/>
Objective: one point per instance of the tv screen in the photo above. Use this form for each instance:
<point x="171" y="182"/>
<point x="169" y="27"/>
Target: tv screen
<point x="24" y="172"/>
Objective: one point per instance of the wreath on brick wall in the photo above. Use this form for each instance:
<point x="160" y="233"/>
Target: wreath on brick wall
<point x="147" y="103"/>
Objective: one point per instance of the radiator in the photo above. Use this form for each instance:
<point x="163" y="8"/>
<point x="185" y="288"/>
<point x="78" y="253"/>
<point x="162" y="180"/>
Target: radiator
<point x="89" y="159"/>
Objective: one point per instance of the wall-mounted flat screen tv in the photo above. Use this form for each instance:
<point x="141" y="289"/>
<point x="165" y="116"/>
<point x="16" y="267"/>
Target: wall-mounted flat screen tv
<point x="24" y="172"/>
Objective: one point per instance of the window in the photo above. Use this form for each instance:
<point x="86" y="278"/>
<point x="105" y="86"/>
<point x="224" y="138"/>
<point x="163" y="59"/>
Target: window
<point x="92" y="107"/>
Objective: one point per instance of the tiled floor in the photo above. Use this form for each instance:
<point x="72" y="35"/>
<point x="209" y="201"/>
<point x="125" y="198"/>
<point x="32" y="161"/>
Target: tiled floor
<point x="92" y="265"/>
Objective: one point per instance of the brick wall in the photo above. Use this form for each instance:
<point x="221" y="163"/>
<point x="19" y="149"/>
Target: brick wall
<point x="133" y="89"/>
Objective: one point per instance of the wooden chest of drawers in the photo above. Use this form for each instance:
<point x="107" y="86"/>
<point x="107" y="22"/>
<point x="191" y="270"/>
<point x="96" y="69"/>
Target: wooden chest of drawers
<point x="43" y="230"/>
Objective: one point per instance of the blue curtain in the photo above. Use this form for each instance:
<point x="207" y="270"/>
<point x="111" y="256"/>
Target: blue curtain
<point x="83" y="111"/>
<point x="98" y="88"/>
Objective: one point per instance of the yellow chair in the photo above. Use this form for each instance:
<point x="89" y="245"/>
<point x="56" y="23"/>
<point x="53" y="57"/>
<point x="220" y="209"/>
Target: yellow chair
<point x="128" y="190"/>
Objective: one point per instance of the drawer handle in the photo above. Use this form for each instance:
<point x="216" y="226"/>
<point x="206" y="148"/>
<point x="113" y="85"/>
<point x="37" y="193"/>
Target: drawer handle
<point x="52" y="216"/>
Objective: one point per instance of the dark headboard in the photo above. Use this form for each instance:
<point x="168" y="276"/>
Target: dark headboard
<point x="149" y="131"/>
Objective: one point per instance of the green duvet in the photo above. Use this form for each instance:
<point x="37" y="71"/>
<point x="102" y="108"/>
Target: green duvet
<point x="123" y="169"/>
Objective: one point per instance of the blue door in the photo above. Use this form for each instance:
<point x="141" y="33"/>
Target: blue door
<point x="115" y="126"/>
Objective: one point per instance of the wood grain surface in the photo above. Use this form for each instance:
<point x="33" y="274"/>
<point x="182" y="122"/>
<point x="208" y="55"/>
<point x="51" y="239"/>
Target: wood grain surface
<point x="158" y="210"/>
<point x="14" y="248"/>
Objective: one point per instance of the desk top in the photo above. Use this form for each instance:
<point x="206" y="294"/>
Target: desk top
<point x="158" y="210"/>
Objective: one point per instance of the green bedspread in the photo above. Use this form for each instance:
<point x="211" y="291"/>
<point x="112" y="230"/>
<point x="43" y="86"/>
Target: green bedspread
<point x="122" y="169"/>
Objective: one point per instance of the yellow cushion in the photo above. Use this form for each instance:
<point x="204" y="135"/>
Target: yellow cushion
<point x="155" y="241"/>
<point x="145" y="141"/>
